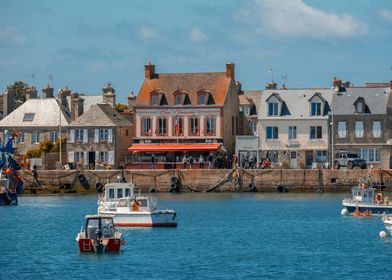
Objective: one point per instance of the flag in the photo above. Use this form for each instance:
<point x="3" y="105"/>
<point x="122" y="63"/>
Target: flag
<point x="177" y="125"/>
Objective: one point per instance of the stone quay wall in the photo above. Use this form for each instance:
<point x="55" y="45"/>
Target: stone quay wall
<point x="203" y="180"/>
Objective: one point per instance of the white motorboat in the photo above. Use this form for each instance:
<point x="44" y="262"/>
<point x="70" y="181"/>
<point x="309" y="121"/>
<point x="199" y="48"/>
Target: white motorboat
<point x="132" y="210"/>
<point x="364" y="200"/>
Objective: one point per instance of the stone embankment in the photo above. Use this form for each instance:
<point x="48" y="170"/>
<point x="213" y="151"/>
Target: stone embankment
<point x="205" y="180"/>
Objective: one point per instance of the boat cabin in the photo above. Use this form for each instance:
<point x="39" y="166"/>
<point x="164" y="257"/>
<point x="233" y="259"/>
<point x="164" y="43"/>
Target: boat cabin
<point x="363" y="194"/>
<point x="98" y="227"/>
<point x="116" y="191"/>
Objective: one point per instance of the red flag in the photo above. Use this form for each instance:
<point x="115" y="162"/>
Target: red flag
<point x="177" y="127"/>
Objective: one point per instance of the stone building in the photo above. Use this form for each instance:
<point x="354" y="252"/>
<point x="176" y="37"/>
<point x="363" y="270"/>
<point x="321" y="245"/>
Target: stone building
<point x="100" y="137"/>
<point x="362" y="118"/>
<point x="186" y="108"/>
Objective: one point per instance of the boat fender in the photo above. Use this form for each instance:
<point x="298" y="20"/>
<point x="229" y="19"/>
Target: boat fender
<point x="174" y="216"/>
<point x="281" y="189"/>
<point x="83" y="181"/>
<point x="99" y="187"/>
<point x="252" y="188"/>
<point x="174" y="180"/>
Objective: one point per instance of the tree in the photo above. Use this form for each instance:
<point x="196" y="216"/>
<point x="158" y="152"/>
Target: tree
<point x="18" y="89"/>
<point x="121" y="107"/>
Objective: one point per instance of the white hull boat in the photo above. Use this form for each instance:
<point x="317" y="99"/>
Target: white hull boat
<point x="387" y="219"/>
<point x="130" y="210"/>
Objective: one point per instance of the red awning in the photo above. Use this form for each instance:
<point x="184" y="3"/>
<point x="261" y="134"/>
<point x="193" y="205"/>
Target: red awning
<point x="169" y="147"/>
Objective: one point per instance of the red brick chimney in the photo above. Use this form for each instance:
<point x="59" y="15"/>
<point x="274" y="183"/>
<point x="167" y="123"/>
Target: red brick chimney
<point x="149" y="71"/>
<point x="230" y="71"/>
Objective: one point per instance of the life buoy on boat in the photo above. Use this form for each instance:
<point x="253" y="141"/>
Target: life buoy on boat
<point x="378" y="199"/>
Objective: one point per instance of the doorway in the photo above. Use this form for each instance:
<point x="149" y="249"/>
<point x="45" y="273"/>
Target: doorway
<point x="293" y="160"/>
<point x="91" y="160"/>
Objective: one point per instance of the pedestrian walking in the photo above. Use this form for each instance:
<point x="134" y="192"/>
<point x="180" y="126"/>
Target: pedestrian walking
<point x="184" y="162"/>
<point x="210" y="160"/>
<point x="152" y="161"/>
<point x="191" y="160"/>
<point x="201" y="161"/>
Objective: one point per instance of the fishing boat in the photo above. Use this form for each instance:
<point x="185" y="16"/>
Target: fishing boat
<point x="366" y="198"/>
<point x="99" y="235"/>
<point x="387" y="220"/>
<point x="129" y="209"/>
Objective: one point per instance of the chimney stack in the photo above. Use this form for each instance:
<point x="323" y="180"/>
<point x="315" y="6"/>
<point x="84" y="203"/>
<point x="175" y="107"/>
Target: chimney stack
<point x="47" y="92"/>
<point x="63" y="94"/>
<point x="109" y="95"/>
<point x="131" y="100"/>
<point x="8" y="103"/>
<point x="149" y="71"/>
<point x="230" y="71"/>
<point x="31" y="93"/>
<point x="76" y="106"/>
<point x="271" y="85"/>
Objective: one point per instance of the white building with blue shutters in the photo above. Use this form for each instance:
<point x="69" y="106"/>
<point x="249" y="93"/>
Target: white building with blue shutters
<point x="294" y="126"/>
<point x="100" y="137"/>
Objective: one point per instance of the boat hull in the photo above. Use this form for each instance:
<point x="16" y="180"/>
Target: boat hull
<point x="112" y="245"/>
<point x="143" y="219"/>
<point x="377" y="209"/>
<point x="9" y="198"/>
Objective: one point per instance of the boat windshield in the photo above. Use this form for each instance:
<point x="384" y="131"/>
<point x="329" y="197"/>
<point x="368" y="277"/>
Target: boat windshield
<point x="91" y="228"/>
<point x="107" y="228"/>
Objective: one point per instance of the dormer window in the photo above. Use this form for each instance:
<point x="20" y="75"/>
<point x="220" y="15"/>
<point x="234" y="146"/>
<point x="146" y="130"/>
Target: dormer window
<point x="179" y="96"/>
<point x="202" y="97"/>
<point x="178" y="100"/>
<point x="154" y="99"/>
<point x="360" y="106"/>
<point x="315" y="109"/>
<point x="273" y="109"/>
<point x="318" y="105"/>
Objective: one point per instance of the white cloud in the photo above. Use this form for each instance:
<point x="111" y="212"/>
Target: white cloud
<point x="197" y="35"/>
<point x="10" y="36"/>
<point x="294" y="18"/>
<point x="147" y="33"/>
<point x="386" y="14"/>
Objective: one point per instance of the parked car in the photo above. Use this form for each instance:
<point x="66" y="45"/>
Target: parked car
<point x="349" y="160"/>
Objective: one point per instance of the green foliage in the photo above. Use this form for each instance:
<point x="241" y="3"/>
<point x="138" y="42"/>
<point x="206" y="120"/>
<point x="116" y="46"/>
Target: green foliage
<point x="18" y="89"/>
<point x="121" y="107"/>
<point x="56" y="146"/>
<point x="45" y="146"/>
<point x="34" y="153"/>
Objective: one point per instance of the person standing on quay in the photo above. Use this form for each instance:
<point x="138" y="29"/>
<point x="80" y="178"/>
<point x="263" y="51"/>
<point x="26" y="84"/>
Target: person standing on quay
<point x="191" y="162"/>
<point x="152" y="161"/>
<point x="184" y="162"/>
<point x="210" y="160"/>
<point x="201" y="161"/>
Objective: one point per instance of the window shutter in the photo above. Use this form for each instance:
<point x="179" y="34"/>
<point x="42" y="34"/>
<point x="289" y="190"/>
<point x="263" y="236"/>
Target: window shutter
<point x="110" y="135"/>
<point x="85" y="135"/>
<point x="85" y="158"/>
<point x="111" y="157"/>
<point x="96" y="135"/>
<point x="97" y="157"/>
<point x="72" y="136"/>
<point x="71" y="156"/>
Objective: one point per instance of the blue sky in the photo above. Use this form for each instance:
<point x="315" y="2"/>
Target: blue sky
<point x="84" y="44"/>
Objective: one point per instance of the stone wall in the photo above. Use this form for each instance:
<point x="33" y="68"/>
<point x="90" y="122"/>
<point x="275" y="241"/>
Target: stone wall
<point x="204" y="179"/>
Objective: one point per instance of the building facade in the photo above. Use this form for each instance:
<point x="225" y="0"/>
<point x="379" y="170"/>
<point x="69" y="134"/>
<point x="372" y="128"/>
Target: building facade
<point x="362" y="123"/>
<point x="186" y="108"/>
<point x="100" y="137"/>
<point x="294" y="126"/>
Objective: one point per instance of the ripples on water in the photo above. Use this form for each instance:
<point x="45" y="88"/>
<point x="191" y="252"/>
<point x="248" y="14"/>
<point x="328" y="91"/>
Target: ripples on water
<point x="228" y="236"/>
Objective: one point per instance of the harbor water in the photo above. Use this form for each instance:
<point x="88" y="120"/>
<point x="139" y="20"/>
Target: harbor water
<point x="219" y="236"/>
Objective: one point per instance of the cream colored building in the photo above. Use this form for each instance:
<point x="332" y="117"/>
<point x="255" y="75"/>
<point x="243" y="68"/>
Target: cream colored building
<point x="294" y="126"/>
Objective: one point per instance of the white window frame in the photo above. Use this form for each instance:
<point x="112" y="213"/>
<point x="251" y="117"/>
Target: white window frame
<point x="316" y="129"/>
<point x="79" y="135"/>
<point x="292" y="132"/>
<point x="376" y="128"/>
<point x="54" y="135"/>
<point x="103" y="134"/>
<point x="318" y="106"/>
<point x="342" y="129"/>
<point x="359" y="129"/>
<point x="35" y="137"/>
<point x="275" y="109"/>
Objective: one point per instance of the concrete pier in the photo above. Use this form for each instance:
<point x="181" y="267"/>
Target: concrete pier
<point x="202" y="180"/>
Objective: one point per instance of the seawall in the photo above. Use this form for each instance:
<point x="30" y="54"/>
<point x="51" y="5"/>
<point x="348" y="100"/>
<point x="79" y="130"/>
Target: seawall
<point x="202" y="180"/>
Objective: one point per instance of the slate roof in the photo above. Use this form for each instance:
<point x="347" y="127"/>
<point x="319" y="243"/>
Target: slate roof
<point x="89" y="100"/>
<point x="376" y="100"/>
<point x="46" y="114"/>
<point x="101" y="115"/>
<point x="295" y="102"/>
<point x="216" y="83"/>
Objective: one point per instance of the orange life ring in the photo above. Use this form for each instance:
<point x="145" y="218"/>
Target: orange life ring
<point x="378" y="199"/>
